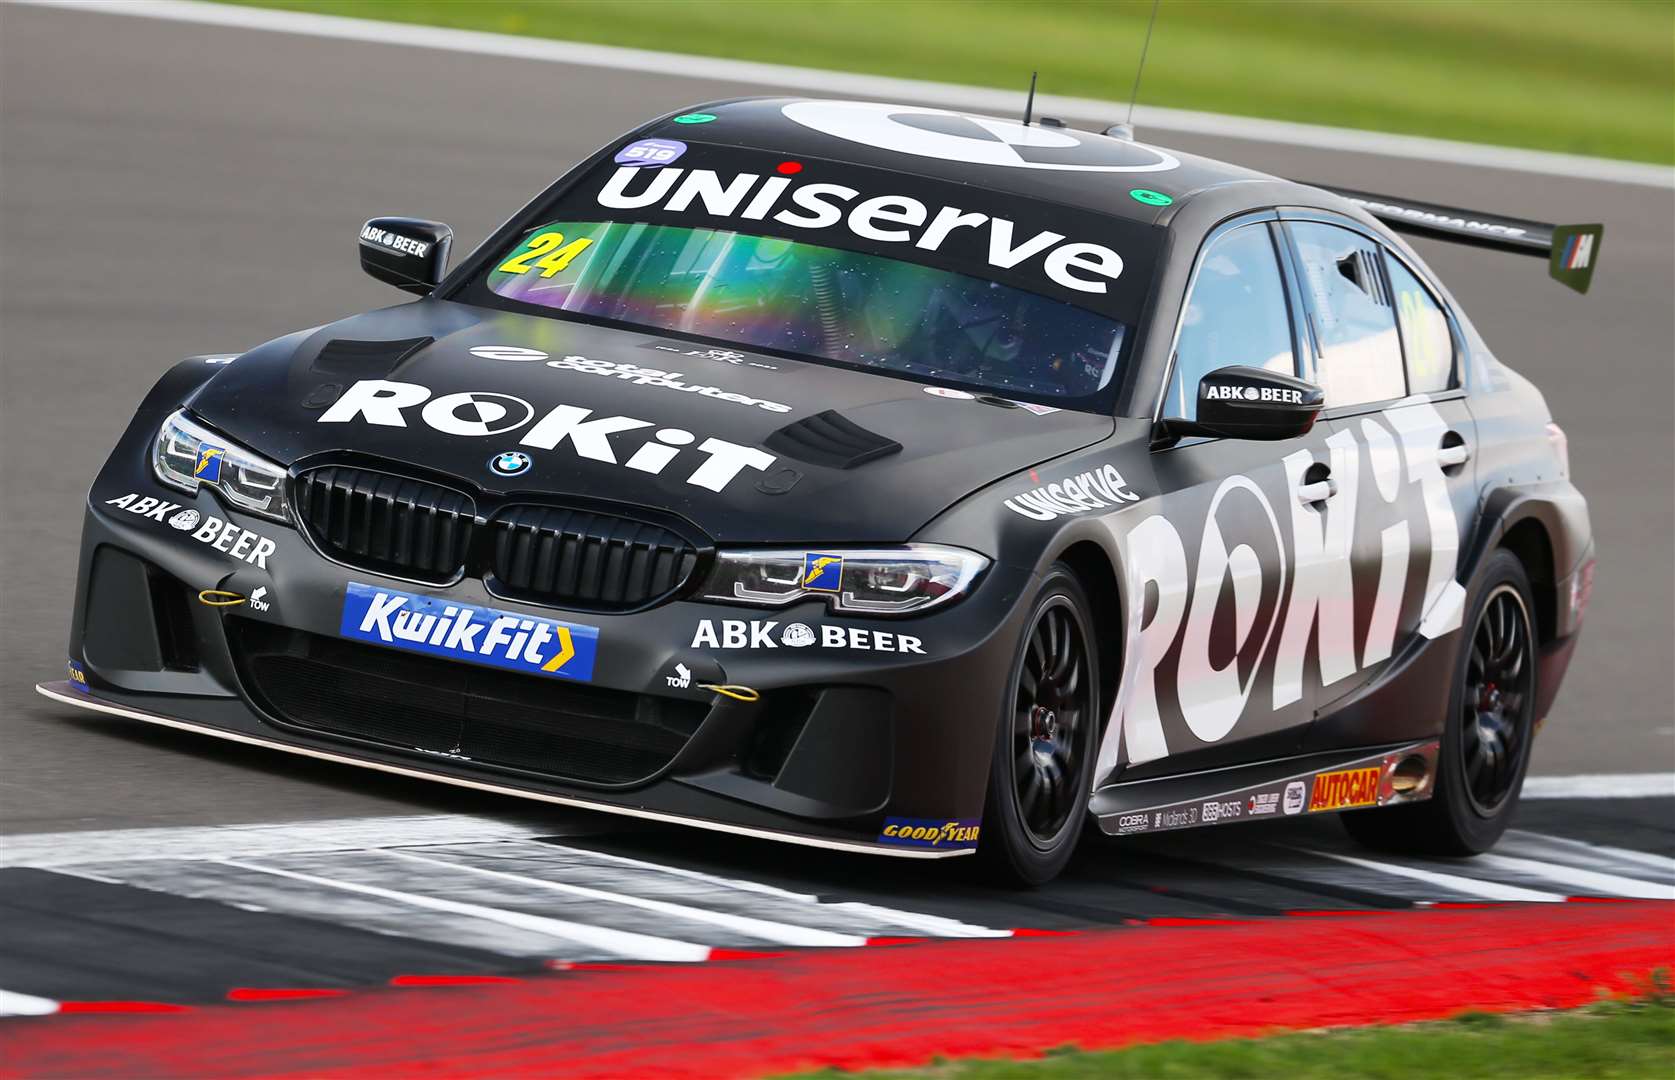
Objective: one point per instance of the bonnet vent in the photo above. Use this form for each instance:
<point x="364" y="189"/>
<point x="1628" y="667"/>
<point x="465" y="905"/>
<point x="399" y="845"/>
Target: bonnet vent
<point x="830" y="439"/>
<point x="365" y="359"/>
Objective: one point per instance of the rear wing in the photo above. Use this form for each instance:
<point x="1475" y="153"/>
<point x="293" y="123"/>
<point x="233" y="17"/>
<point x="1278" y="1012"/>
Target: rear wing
<point x="1570" y="250"/>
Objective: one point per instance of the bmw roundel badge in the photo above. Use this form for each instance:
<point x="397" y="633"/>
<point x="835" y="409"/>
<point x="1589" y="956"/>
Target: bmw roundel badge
<point x="511" y="463"/>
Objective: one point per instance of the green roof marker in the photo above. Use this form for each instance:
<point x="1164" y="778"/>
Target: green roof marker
<point x="1150" y="198"/>
<point x="695" y="118"/>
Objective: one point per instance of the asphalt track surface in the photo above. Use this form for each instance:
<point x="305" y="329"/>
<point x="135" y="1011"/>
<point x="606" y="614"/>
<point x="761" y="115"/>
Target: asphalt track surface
<point x="171" y="189"/>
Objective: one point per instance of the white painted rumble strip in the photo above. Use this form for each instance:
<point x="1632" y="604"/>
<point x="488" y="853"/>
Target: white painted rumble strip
<point x="767" y="930"/>
<point x="1003" y="102"/>
<point x="1487" y="890"/>
<point x="1601" y="786"/>
<point x="622" y="942"/>
<point x="1582" y="882"/>
<point x="13" y="1003"/>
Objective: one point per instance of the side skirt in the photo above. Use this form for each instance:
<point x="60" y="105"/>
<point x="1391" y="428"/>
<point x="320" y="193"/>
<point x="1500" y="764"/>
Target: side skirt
<point x="1317" y="783"/>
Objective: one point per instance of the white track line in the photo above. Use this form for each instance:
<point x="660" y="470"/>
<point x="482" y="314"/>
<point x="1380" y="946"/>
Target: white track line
<point x="767" y="930"/>
<point x="933" y="925"/>
<point x="622" y="942"/>
<point x="13" y="1003"/>
<point x="1487" y="890"/>
<point x="1543" y="846"/>
<point x="1582" y="882"/>
<point x="1601" y="786"/>
<point x="672" y="65"/>
<point x="188" y="843"/>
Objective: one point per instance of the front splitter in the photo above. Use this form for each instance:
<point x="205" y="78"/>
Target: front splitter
<point x="64" y="693"/>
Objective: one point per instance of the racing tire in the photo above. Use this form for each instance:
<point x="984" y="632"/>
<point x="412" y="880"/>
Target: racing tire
<point x="1046" y="739"/>
<point x="1486" y="741"/>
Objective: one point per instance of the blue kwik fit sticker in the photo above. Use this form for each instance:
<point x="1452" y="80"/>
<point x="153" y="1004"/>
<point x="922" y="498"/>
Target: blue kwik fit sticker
<point x="78" y="677"/>
<point x="650" y="152"/>
<point x="930" y="832"/>
<point x="480" y="635"/>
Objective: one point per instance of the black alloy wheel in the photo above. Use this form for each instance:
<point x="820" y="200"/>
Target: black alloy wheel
<point x="1499" y="693"/>
<point x="1042" y="767"/>
<point x="1050" y="713"/>
<point x="1486" y="733"/>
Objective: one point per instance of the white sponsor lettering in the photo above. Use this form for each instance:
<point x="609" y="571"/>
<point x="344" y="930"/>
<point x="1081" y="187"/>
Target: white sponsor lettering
<point x="475" y="414"/>
<point x="1212" y="812"/>
<point x="383" y="238"/>
<point x="760" y="634"/>
<point x="1091" y="490"/>
<point x="1296" y="794"/>
<point x="668" y="380"/>
<point x="1315" y="584"/>
<point x="892" y="219"/>
<point x="223" y="536"/>
<point x="1230" y="392"/>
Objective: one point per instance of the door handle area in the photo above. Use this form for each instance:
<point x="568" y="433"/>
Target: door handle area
<point x="1317" y="492"/>
<point x="1453" y="452"/>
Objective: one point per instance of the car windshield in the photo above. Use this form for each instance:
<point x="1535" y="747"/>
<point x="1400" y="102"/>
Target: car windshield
<point x="824" y="303"/>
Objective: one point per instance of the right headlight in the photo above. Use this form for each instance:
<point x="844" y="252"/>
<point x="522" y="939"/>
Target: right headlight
<point x="187" y="454"/>
<point x="903" y="580"/>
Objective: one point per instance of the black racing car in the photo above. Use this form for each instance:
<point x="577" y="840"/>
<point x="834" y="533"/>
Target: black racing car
<point x="880" y="478"/>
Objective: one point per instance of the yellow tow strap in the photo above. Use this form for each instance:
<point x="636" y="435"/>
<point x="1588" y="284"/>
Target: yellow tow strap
<point x="220" y="598"/>
<point x="737" y="693"/>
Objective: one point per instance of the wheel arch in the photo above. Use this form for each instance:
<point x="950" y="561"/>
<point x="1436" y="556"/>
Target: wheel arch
<point x="1546" y="527"/>
<point x="1094" y="568"/>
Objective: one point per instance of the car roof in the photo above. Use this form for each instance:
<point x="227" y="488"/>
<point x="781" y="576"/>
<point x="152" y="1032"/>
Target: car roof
<point x="1058" y="164"/>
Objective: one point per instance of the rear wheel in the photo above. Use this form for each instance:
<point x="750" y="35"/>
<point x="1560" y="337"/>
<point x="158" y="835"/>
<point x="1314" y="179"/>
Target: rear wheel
<point x="1491" y="723"/>
<point x="1042" y="766"/>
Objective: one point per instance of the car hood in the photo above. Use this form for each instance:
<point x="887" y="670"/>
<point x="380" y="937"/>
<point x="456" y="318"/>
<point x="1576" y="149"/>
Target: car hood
<point x="633" y="418"/>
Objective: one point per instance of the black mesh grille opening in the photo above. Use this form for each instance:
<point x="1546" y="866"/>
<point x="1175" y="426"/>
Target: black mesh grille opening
<point x="579" y="559"/>
<point x="830" y="439"/>
<point x="385" y="523"/>
<point x="567" y="731"/>
<point x="171" y="610"/>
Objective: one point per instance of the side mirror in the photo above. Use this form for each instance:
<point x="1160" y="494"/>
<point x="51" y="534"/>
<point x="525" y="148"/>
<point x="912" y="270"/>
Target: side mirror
<point x="408" y="253"/>
<point x="1248" y="403"/>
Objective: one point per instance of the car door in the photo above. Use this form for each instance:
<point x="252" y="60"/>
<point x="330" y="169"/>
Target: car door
<point x="1213" y="567"/>
<point x="1402" y="434"/>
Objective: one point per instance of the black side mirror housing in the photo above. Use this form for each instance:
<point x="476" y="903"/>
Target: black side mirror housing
<point x="409" y="253"/>
<point x="1248" y="403"/>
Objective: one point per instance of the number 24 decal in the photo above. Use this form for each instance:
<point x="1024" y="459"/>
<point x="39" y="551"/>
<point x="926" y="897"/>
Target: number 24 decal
<point x="547" y="253"/>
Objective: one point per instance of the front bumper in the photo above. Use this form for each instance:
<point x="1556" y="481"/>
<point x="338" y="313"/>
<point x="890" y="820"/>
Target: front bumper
<point x="842" y="740"/>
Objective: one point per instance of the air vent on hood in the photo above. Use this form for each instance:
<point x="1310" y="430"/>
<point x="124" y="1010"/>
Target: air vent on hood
<point x="365" y="359"/>
<point x="830" y="439"/>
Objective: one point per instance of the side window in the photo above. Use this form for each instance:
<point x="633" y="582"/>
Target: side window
<point x="1425" y="336"/>
<point x="1236" y="314"/>
<point x="1354" y="314"/>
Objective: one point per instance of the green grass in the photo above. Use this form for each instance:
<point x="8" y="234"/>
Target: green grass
<point x="1583" y="76"/>
<point x="1633" y="1041"/>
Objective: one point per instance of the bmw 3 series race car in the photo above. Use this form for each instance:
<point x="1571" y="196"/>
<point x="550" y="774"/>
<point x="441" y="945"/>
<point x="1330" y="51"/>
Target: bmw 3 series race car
<point x="881" y="478"/>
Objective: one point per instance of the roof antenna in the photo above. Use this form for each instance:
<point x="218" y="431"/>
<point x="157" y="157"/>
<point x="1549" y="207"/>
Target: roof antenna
<point x="1029" y="105"/>
<point x="1125" y="130"/>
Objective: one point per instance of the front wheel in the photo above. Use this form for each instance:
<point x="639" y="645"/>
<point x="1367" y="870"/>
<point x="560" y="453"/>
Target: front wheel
<point x="1486" y="742"/>
<point x="1042" y="766"/>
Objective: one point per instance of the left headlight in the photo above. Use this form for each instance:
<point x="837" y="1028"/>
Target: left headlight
<point x="870" y="581"/>
<point x="187" y="454"/>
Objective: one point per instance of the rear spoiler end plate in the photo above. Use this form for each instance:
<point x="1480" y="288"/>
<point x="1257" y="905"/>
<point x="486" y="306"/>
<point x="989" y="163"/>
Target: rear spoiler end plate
<point x="1571" y="251"/>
